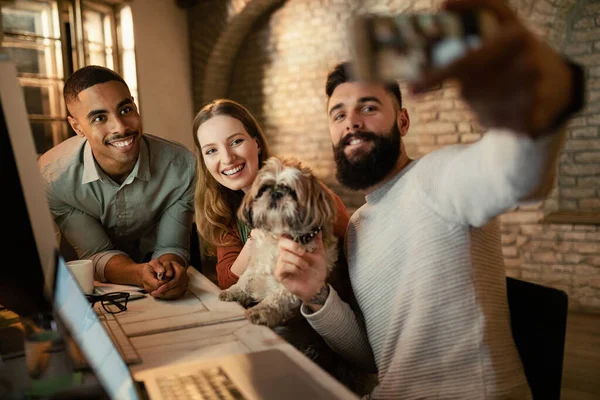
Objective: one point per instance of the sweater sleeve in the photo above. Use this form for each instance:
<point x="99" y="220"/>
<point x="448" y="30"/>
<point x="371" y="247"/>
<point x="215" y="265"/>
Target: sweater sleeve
<point x="471" y="184"/>
<point x="226" y="256"/>
<point x="341" y="329"/>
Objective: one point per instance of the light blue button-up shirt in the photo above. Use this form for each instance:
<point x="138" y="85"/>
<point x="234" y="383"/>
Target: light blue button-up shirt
<point x="148" y="215"/>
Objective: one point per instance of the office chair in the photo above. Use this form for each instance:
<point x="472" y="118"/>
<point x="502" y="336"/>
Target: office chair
<point x="538" y="316"/>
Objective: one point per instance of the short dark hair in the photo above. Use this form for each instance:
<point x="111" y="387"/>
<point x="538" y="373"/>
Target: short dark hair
<point x="87" y="77"/>
<point x="342" y="73"/>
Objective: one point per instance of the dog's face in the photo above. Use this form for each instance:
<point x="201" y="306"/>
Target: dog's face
<point x="286" y="198"/>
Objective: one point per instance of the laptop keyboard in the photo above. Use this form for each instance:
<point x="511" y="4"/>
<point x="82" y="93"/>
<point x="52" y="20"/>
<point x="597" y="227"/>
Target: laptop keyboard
<point x="206" y="384"/>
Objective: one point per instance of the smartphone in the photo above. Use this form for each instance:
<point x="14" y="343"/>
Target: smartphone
<point x="402" y="47"/>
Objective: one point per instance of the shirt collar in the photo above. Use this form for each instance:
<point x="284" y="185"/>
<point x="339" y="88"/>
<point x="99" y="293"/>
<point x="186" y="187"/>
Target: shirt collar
<point x="92" y="171"/>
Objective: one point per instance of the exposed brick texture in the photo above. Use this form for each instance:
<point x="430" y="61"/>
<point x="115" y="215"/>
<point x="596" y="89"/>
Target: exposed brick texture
<point x="275" y="63"/>
<point x="581" y="158"/>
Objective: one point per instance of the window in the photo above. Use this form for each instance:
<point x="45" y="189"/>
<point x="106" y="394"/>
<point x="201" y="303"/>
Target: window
<point x="49" y="39"/>
<point x="127" y="51"/>
<point x="32" y="41"/>
<point x="98" y="33"/>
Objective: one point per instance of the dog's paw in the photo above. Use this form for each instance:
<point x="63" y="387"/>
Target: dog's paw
<point x="227" y="295"/>
<point x="263" y="316"/>
<point x="247" y="302"/>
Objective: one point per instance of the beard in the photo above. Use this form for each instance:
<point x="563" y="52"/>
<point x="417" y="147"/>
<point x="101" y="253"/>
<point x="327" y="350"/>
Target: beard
<point x="366" y="169"/>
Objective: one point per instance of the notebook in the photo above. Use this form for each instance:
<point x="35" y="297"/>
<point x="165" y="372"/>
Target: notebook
<point x="268" y="374"/>
<point x="135" y="292"/>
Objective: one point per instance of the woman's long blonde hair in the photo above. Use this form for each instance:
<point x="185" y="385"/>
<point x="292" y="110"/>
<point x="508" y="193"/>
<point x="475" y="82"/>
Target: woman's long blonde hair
<point x="215" y="205"/>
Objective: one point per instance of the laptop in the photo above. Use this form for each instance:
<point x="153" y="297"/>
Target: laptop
<point x="268" y="374"/>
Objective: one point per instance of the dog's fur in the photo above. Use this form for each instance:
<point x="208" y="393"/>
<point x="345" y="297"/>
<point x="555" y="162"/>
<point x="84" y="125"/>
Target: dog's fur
<point x="286" y="199"/>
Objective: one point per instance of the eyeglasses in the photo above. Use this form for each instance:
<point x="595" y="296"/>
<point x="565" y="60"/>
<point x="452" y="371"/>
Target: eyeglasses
<point x="112" y="303"/>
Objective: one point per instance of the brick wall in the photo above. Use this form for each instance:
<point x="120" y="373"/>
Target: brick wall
<point x="204" y="32"/>
<point x="278" y="72"/>
<point x="579" y="185"/>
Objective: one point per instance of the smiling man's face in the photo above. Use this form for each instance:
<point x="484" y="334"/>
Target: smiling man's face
<point x="107" y="116"/>
<point x="366" y="128"/>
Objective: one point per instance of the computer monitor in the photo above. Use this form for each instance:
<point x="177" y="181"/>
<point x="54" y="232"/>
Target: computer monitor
<point x="29" y="239"/>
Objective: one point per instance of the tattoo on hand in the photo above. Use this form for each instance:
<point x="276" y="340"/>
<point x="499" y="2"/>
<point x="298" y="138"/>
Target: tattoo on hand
<point x="321" y="296"/>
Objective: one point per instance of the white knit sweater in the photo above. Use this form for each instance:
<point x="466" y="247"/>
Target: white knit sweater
<point x="427" y="270"/>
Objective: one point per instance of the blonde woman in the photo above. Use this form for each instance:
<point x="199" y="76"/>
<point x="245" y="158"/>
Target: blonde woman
<point x="231" y="149"/>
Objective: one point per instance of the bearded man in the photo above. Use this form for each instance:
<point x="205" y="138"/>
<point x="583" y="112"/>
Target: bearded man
<point x="424" y="252"/>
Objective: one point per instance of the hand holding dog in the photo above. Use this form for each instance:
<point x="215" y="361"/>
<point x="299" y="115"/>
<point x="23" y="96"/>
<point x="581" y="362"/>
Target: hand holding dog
<point x="302" y="273"/>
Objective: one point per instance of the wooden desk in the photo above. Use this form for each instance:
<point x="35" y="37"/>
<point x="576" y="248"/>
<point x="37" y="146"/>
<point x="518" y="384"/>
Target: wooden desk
<point x="167" y="332"/>
<point x="199" y="306"/>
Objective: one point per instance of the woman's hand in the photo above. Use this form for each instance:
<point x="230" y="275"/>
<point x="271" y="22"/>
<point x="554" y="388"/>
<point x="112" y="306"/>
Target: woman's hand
<point x="240" y="264"/>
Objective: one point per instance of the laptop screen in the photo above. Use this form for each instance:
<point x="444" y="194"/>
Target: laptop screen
<point x="84" y="326"/>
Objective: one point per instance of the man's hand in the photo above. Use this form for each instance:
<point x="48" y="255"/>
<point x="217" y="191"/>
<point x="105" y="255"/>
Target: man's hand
<point x="303" y="273"/>
<point x="514" y="80"/>
<point x="174" y="280"/>
<point x="149" y="275"/>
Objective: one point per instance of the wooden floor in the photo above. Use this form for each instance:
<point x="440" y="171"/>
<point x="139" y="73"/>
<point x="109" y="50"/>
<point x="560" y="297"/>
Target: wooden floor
<point x="581" y="369"/>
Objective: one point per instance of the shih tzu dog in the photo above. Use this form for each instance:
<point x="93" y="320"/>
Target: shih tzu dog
<point x="286" y="199"/>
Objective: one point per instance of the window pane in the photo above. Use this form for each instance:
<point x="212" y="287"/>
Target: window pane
<point x="97" y="27"/>
<point x="43" y="98"/>
<point x="127" y="51"/>
<point x="108" y="31"/>
<point x="36" y="56"/>
<point x="38" y="18"/>
<point x="93" y="27"/>
<point x="96" y="54"/>
<point x="48" y="134"/>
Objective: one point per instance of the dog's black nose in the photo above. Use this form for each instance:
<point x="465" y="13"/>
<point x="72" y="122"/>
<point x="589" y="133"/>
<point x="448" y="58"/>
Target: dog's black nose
<point x="276" y="195"/>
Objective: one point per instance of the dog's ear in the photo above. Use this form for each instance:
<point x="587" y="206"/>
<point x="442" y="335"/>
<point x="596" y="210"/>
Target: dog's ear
<point x="248" y="217"/>
<point x="245" y="211"/>
<point x="321" y="206"/>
